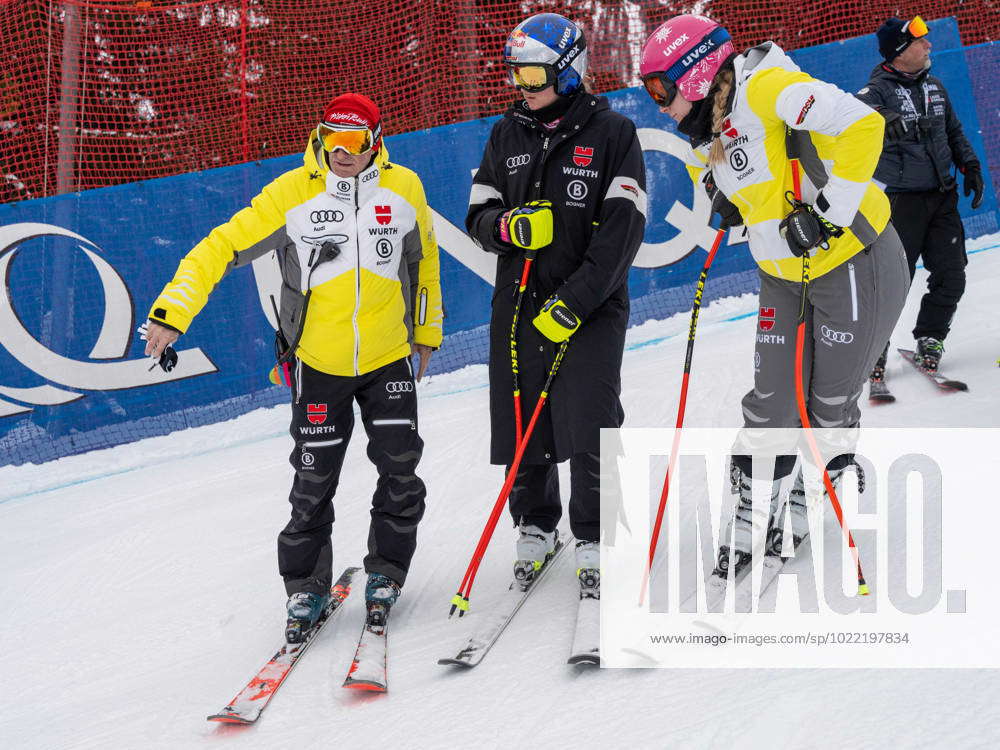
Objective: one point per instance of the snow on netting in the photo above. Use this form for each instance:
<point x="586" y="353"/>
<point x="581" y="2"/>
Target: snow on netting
<point x="101" y="93"/>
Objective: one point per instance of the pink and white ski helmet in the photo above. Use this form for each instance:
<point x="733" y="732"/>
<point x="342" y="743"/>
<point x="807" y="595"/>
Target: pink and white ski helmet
<point x="689" y="50"/>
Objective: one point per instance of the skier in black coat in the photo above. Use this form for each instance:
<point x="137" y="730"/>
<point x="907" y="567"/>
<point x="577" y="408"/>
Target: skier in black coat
<point x="562" y="176"/>
<point x="923" y="139"/>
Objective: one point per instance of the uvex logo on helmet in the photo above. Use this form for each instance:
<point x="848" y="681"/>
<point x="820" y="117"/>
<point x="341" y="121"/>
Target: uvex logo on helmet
<point x="383" y="214"/>
<point x="568" y="57"/>
<point x="675" y="44"/>
<point x="583" y="155"/>
<point x="702" y="49"/>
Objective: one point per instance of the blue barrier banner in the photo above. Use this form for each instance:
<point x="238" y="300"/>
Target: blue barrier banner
<point x="81" y="271"/>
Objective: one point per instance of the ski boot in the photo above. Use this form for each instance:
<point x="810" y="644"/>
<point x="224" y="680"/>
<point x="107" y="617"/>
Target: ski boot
<point x="740" y="528"/>
<point x="588" y="569"/>
<point x="304" y="610"/>
<point x="534" y="548"/>
<point x="928" y="353"/>
<point x="380" y="594"/>
<point x="796" y="508"/>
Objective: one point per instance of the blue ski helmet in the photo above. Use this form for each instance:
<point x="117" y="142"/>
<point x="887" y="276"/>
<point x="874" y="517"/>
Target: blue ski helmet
<point x="552" y="41"/>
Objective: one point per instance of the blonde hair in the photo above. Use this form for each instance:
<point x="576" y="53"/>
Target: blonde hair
<point x="723" y="84"/>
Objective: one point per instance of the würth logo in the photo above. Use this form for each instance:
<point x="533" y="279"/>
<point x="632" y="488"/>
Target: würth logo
<point x="728" y="130"/>
<point x="316" y="413"/>
<point x="383" y="214"/>
<point x="583" y="155"/>
<point x="766" y="320"/>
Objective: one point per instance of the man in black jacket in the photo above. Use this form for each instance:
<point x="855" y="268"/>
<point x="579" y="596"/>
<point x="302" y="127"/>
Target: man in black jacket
<point x="923" y="138"/>
<point x="562" y="179"/>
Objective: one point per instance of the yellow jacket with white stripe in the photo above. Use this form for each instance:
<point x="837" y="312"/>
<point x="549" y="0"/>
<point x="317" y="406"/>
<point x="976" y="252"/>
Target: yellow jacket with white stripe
<point x="358" y="259"/>
<point x="778" y="112"/>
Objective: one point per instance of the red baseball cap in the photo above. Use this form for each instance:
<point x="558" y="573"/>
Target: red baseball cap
<point x="354" y="110"/>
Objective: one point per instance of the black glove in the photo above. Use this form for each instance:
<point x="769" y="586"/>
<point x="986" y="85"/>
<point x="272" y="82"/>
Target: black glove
<point x="973" y="182"/>
<point x="804" y="229"/>
<point x="895" y="126"/>
<point x="721" y="205"/>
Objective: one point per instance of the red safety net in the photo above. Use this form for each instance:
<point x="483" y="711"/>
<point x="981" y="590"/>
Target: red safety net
<point x="101" y="93"/>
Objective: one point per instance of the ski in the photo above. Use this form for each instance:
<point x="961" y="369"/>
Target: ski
<point x="248" y="704"/>
<point x="715" y="588"/>
<point x="496" y="621"/>
<point x="368" y="670"/>
<point x="587" y="636"/>
<point x="878" y="393"/>
<point x="936" y="377"/>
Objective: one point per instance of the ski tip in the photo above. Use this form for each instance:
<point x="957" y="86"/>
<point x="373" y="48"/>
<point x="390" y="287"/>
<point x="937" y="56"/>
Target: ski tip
<point x="364" y="685"/>
<point x="451" y="662"/>
<point x="230" y="719"/>
<point x="863" y="589"/>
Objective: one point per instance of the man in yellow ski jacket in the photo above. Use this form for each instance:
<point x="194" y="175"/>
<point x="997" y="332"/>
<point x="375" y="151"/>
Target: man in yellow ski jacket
<point x="353" y="237"/>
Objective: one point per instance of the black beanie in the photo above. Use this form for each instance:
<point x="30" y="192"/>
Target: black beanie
<point x="892" y="40"/>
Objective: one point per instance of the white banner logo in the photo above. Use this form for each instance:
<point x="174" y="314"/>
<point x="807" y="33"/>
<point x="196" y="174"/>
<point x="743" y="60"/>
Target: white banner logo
<point x="112" y="343"/>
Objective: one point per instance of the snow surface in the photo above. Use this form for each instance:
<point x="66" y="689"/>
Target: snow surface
<point x="139" y="588"/>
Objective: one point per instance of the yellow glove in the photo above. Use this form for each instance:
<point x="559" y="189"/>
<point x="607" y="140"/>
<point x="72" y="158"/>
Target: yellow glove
<point x="528" y="226"/>
<point x="556" y="321"/>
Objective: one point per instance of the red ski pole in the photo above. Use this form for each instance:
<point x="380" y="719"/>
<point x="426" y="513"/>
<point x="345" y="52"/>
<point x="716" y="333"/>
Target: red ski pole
<point x="800" y="337"/>
<point x="461" y="599"/>
<point x="696" y="308"/>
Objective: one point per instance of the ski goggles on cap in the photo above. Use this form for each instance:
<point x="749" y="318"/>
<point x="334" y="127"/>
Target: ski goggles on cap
<point x="661" y="89"/>
<point x="354" y="141"/>
<point x="532" y="78"/>
<point x="916" y="27"/>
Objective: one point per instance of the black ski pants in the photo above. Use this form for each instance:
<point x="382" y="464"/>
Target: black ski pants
<point x="930" y="228"/>
<point x="534" y="498"/>
<point x="322" y="422"/>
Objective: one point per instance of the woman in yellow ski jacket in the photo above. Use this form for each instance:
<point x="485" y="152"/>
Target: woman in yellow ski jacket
<point x="759" y="126"/>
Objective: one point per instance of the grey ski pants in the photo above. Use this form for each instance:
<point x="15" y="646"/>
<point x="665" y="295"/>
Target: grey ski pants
<point x="850" y="314"/>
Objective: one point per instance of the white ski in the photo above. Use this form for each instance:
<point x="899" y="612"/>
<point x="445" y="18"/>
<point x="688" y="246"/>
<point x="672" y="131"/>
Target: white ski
<point x="368" y="670"/>
<point x="587" y="636"/>
<point x="496" y="621"/>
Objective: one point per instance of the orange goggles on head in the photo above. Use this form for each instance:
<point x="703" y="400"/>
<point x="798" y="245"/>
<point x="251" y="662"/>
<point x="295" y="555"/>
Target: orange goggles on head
<point x="661" y="89"/>
<point x="916" y="28"/>
<point x="354" y="141"/>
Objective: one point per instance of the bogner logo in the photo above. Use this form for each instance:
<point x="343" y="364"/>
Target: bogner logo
<point x="583" y="155"/>
<point x="702" y="49"/>
<point x="383" y="214"/>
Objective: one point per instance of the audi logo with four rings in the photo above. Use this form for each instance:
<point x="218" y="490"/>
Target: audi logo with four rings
<point x="399" y="386"/>
<point x="518" y="161"/>
<point x="838" y="337"/>
<point x="319" y="217"/>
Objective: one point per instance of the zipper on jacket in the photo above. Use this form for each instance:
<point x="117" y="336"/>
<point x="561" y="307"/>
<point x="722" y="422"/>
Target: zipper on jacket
<point x="854" y="293"/>
<point x="357" y="275"/>
<point x="541" y="169"/>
